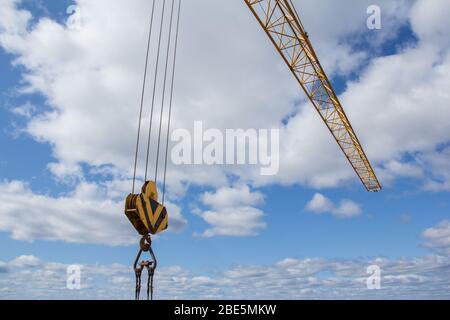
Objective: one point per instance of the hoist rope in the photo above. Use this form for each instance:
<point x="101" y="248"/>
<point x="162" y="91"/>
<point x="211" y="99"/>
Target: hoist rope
<point x="164" y="93"/>
<point x="154" y="90"/>
<point x="171" y="102"/>
<point x="155" y="82"/>
<point x="146" y="245"/>
<point x="143" y="95"/>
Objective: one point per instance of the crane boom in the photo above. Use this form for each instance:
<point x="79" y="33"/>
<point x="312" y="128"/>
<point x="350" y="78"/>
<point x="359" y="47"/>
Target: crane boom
<point x="282" y="24"/>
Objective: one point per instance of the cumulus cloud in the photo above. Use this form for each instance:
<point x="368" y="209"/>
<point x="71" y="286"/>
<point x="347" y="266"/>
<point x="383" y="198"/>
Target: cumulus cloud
<point x="26" y="110"/>
<point x="393" y="125"/>
<point x="409" y="119"/>
<point x="83" y="216"/>
<point x="320" y="204"/>
<point x="233" y="212"/>
<point x="26" y="261"/>
<point x="87" y="75"/>
<point x="437" y="166"/>
<point x="438" y="237"/>
<point x="91" y="81"/>
<point x="232" y="197"/>
<point x="309" y="278"/>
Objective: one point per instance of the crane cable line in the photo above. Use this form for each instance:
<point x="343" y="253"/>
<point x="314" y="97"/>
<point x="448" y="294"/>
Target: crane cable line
<point x="171" y="101"/>
<point x="145" y="213"/>
<point x="154" y="90"/>
<point x="142" y="97"/>
<point x="163" y="94"/>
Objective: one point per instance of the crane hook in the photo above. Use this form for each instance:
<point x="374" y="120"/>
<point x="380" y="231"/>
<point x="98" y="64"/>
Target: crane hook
<point x="145" y="246"/>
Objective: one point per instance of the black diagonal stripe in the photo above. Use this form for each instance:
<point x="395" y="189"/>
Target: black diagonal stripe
<point x="161" y="218"/>
<point x="144" y="206"/>
<point x="154" y="206"/>
<point x="144" y="187"/>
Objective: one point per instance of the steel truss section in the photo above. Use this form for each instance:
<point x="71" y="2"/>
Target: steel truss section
<point x="282" y="24"/>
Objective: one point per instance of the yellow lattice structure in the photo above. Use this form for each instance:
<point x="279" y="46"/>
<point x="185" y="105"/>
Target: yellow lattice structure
<point x="283" y="26"/>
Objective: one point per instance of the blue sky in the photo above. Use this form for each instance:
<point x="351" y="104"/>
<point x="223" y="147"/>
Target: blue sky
<point x="406" y="223"/>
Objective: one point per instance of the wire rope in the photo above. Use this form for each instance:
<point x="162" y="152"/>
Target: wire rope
<point x="164" y="93"/>
<point x="142" y="97"/>
<point x="154" y="90"/>
<point x="171" y="101"/>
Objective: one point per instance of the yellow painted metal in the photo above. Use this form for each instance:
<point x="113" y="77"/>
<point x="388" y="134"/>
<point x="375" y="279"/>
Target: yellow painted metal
<point x="282" y="24"/>
<point x="144" y="211"/>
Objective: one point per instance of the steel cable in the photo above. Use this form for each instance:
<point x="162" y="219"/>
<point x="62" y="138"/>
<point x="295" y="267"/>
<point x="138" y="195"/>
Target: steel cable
<point x="142" y="97"/>
<point x="154" y="90"/>
<point x="164" y="93"/>
<point x="171" y="101"/>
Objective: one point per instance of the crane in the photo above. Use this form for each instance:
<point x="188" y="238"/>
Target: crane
<point x="146" y="212"/>
<point x="281" y="22"/>
<point x="283" y="26"/>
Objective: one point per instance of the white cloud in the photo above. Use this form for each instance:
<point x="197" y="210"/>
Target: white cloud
<point x="320" y="204"/>
<point x="91" y="81"/>
<point x="66" y="172"/>
<point x="347" y="209"/>
<point x="429" y="20"/>
<point x="438" y="237"/>
<point x="233" y="222"/>
<point x="233" y="212"/>
<point x="84" y="216"/>
<point x="398" y="107"/>
<point x="232" y="197"/>
<point x="26" y="110"/>
<point x="13" y="21"/>
<point x="27" y="261"/>
<point x="395" y="169"/>
<point x="405" y="95"/>
<point x="309" y="278"/>
<point x="437" y="166"/>
<point x="87" y="75"/>
<point x="177" y="222"/>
